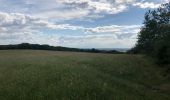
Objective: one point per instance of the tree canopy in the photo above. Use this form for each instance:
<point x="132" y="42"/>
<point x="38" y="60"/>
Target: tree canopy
<point x="154" y="37"/>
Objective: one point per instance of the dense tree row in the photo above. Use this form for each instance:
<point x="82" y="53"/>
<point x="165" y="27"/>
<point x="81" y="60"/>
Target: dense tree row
<point x="154" y="37"/>
<point x="58" y="48"/>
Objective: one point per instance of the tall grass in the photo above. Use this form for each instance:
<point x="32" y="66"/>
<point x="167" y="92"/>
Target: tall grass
<point x="50" y="75"/>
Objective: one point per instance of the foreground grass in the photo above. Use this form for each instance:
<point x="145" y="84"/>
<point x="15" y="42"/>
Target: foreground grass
<point x="49" y="75"/>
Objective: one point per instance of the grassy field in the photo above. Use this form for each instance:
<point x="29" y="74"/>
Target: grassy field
<point x="50" y="75"/>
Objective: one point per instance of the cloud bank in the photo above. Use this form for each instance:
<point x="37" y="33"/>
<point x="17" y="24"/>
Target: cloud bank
<point x="58" y="22"/>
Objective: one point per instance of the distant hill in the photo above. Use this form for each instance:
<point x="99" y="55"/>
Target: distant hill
<point x="55" y="48"/>
<point x="117" y="49"/>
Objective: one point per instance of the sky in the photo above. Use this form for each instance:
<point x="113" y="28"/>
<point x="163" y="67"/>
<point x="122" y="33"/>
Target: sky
<point x="74" y="23"/>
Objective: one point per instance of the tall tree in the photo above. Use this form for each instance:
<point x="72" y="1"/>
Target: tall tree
<point x="154" y="37"/>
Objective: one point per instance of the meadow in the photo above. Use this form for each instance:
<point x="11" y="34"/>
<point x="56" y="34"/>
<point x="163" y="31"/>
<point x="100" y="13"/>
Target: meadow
<point x="53" y="75"/>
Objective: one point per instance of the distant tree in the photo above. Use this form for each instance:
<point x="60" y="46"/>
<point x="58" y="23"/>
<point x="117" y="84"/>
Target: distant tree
<point x="154" y="37"/>
<point x="53" y="48"/>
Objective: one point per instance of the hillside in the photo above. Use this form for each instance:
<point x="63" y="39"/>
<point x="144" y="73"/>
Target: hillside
<point x="53" y="75"/>
<point x="28" y="46"/>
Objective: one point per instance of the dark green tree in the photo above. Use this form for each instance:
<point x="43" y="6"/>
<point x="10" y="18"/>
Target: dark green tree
<point x="154" y="37"/>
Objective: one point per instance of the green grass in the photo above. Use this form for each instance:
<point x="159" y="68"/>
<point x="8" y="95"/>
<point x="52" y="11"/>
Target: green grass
<point x="50" y="75"/>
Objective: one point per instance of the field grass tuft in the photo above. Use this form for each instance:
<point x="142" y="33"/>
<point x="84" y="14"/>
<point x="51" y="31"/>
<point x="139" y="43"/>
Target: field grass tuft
<point x="50" y="75"/>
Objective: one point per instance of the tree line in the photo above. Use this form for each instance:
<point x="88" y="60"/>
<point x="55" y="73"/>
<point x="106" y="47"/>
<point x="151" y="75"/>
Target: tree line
<point x="154" y="37"/>
<point x="53" y="48"/>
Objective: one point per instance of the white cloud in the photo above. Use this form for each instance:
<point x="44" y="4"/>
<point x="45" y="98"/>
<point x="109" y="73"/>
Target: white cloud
<point x="16" y="22"/>
<point x="96" y="6"/>
<point x="97" y="41"/>
<point x="104" y="36"/>
<point x="124" y="1"/>
<point x="34" y="38"/>
<point x="54" y="9"/>
<point x="73" y="9"/>
<point x="25" y="20"/>
<point x="64" y="14"/>
<point x="165" y="1"/>
<point x="20" y="22"/>
<point x="18" y="28"/>
<point x="146" y="5"/>
<point x="114" y="29"/>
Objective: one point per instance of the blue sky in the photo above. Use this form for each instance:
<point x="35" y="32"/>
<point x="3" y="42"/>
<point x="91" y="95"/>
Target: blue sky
<point x="74" y="23"/>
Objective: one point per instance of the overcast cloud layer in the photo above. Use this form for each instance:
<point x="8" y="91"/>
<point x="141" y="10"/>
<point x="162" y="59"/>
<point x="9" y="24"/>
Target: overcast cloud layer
<point x="73" y="23"/>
